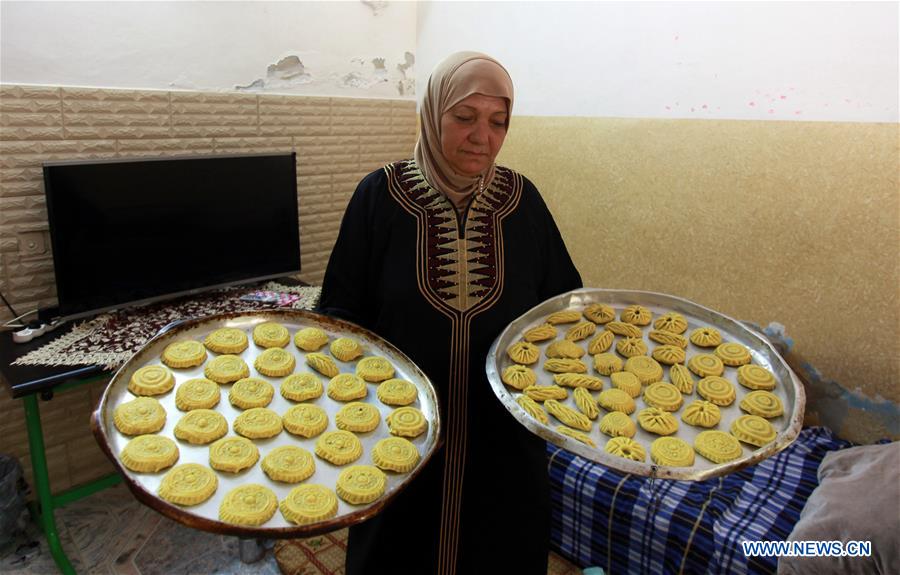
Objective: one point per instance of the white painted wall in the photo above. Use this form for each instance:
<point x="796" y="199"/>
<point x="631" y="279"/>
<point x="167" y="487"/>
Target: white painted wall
<point x="216" y="46"/>
<point x="821" y="61"/>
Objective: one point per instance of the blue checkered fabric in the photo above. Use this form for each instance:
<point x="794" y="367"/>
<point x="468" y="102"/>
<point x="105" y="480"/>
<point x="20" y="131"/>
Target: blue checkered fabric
<point x="612" y="520"/>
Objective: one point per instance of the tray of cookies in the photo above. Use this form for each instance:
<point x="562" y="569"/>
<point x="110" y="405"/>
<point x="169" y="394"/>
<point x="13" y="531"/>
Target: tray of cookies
<point x="646" y="383"/>
<point x="278" y="423"/>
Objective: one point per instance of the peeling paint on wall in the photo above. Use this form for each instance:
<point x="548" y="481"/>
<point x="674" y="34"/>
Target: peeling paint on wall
<point x="288" y="72"/>
<point x="406" y="86"/>
<point x="377" y="6"/>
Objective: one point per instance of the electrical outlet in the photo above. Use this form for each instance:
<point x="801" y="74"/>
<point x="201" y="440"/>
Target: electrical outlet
<point x="32" y="244"/>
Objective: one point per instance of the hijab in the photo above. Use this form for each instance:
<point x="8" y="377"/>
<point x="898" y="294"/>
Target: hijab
<point x="457" y="77"/>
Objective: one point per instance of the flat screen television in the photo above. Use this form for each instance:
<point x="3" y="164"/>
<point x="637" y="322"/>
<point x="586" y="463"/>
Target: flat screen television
<point x="132" y="231"/>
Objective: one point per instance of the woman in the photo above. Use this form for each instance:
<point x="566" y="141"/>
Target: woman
<point x="437" y="255"/>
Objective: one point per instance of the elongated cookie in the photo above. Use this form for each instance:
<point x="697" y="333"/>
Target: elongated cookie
<point x="585" y="402"/>
<point x="567" y="416"/>
<point x="663" y="395"/>
<point x="671" y="452"/>
<point x="601" y="342"/>
<point x="182" y="354"/>
<point x="717" y="446"/>
<point x="374" y="369"/>
<point x="288" y="464"/>
<point x="249" y="504"/>
<point x="401" y="392"/>
<point x="518" y="376"/>
<point x="706" y="364"/>
<point x="716" y="389"/>
<point x="616" y="400"/>
<point x="753" y="429"/>
<point x="599" y="313"/>
<point x="565" y="366"/>
<point x="578" y="380"/>
<point x="233" y="454"/>
<point x="701" y="413"/>
<point x="149" y="453"/>
<point x="581" y="330"/>
<point x="681" y="377"/>
<point x="631" y="347"/>
<point x="226" y="369"/>
<point x="762" y="403"/>
<point x="357" y="417"/>
<point x="395" y="454"/>
<point x="188" y="484"/>
<point x="533" y="408"/>
<point x="360" y="484"/>
<point x="151" y="380"/>
<point x="756" y="377"/>
<point x="647" y="369"/>
<point x="706" y="337"/>
<point x="617" y="424"/>
<point x="577" y="435"/>
<point x="271" y="334"/>
<point x="733" y="354"/>
<point x="672" y="322"/>
<point x="624" y="329"/>
<point x="309" y="503"/>
<point x="322" y="363"/>
<point x="201" y="426"/>
<point x="627" y="382"/>
<point x="310" y="339"/>
<point x="636" y="314"/>
<point x="258" y="423"/>
<point x="607" y="363"/>
<point x="655" y="420"/>
<point x="139" y="416"/>
<point x="347" y="387"/>
<point x="626" y="447"/>
<point x="565" y="316"/>
<point x="306" y="420"/>
<point x="407" y="422"/>
<point x="668" y="338"/>
<point x="251" y="392"/>
<point x="197" y="393"/>
<point x="564" y="349"/>
<point x="545" y="392"/>
<point x="542" y="332"/>
<point x="275" y="362"/>
<point x="339" y="447"/>
<point x="668" y="354"/>
<point x="345" y="349"/>
<point x="228" y="340"/>
<point x="301" y="387"/>
<point x="523" y="352"/>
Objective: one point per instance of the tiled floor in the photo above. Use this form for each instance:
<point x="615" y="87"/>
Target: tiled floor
<point x="112" y="533"/>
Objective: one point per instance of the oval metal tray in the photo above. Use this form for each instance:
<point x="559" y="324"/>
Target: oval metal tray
<point x="205" y="516"/>
<point x="789" y="388"/>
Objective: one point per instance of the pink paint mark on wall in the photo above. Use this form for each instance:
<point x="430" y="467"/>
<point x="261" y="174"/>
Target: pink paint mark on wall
<point x="847" y="100"/>
<point x="771" y="111"/>
<point x="676" y="37"/>
<point x="798" y="112"/>
<point x="705" y="106"/>
<point x="692" y="109"/>
<point x="782" y="97"/>
<point x="751" y="104"/>
<point x="668" y="107"/>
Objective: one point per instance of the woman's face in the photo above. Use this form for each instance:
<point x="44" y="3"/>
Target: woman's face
<point x="472" y="133"/>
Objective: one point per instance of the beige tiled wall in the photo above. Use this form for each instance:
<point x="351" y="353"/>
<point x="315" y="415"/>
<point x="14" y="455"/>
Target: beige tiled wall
<point x="337" y="140"/>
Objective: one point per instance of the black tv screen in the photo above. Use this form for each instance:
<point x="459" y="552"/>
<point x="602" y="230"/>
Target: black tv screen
<point x="137" y="230"/>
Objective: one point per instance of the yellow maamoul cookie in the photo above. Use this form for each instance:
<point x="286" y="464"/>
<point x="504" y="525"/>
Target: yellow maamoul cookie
<point x="631" y="347"/>
<point x="518" y="376"/>
<point x="233" y="454"/>
<point x="706" y="337"/>
<point x="617" y="424"/>
<point x="581" y="330"/>
<point x="585" y="402"/>
<point x="663" y="395"/>
<point x="322" y="363"/>
<point x="258" y="423"/>
<point x="658" y="421"/>
<point x="647" y="369"/>
<point x="374" y="369"/>
<point x="601" y="342"/>
<point x="564" y="349"/>
<point x="401" y="392"/>
<point x="565" y="366"/>
<point x="578" y="380"/>
<point x="762" y="403"/>
<point x="533" y="408"/>
<point x="753" y="429"/>
<point x="301" y="387"/>
<point x="251" y="392"/>
<point x="542" y="332"/>
<point x="139" y="416"/>
<point x="668" y="338"/>
<point x="360" y="484"/>
<point x="198" y="393"/>
<point x="228" y="340"/>
<point x="668" y="354"/>
<point x="305" y="420"/>
<point x="347" y="387"/>
<point x="756" y="377"/>
<point x="346" y="349"/>
<point x="182" y="354"/>
<point x="188" y="484"/>
<point x="599" y="313"/>
<point x="672" y="322"/>
<point x="357" y="417"/>
<point x="636" y="315"/>
<point x="733" y="354"/>
<point x="271" y="334"/>
<point x="717" y="446"/>
<point x="149" y="453"/>
<point x="226" y="369"/>
<point x="616" y="400"/>
<point x="250" y="504"/>
<point x="407" y="422"/>
<point x="681" y="378"/>
<point x="706" y="364"/>
<point x="395" y="454"/>
<point x="701" y="413"/>
<point x="545" y="392"/>
<point x="201" y="426"/>
<point x="626" y="447"/>
<point x="310" y="339"/>
<point x="567" y="416"/>
<point x="716" y="389"/>
<point x="627" y="382"/>
<point x="523" y="352"/>
<point x="624" y="329"/>
<point x="275" y="362"/>
<point x="289" y="464"/>
<point x="577" y="435"/>
<point x="607" y="363"/>
<point x="310" y="503"/>
<point x="151" y="380"/>
<point x="339" y="447"/>
<point x="671" y="452"/>
<point x="568" y="316"/>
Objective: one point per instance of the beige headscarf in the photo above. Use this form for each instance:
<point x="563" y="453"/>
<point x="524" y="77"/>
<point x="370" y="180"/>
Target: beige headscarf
<point x="460" y="75"/>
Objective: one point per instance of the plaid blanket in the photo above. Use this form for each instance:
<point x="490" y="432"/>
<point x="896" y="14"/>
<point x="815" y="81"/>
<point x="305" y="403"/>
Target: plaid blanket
<point x="620" y="523"/>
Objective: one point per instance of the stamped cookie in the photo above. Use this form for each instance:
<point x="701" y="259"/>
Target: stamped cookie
<point x="523" y="352"/>
<point x="516" y="376"/>
<point x="339" y="447"/>
<point x="309" y="503"/>
<point x="151" y="380"/>
<point x="668" y="338"/>
<point x="565" y="366"/>
<point x="401" y="392"/>
<point x="374" y="369"/>
<point x="647" y="369"/>
<point x="636" y="315"/>
<point x="567" y="416"/>
<point x="607" y="363"/>
<point x="756" y="377"/>
<point x="345" y="349"/>
<point x="701" y="413"/>
<point x="226" y="369"/>
<point x="706" y="337"/>
<point x="617" y="424"/>
<point x="616" y="400"/>
<point x="663" y="395"/>
<point x="182" y="354"/>
<point x="578" y="380"/>
<point x="275" y="362"/>
<point x="624" y="329"/>
<point x="733" y="354"/>
<point x="139" y="416"/>
<point x="357" y="417"/>
<point x="288" y="464"/>
<point x="671" y="452"/>
<point x="599" y="313"/>
<point x="251" y="392"/>
<point x="188" y="484"/>
<point x="585" y="402"/>
<point x="407" y="422"/>
<point x="631" y="347"/>
<point x="753" y="429"/>
<point x="301" y="387"/>
<point x="565" y="316"/>
<point x="305" y="420"/>
<point x="149" y="453"/>
<point x="672" y="322"/>
<point x="201" y="426"/>
<point x="581" y="330"/>
<point x="668" y="354"/>
<point x="542" y="332"/>
<point x="310" y="339"/>
<point x="717" y="446"/>
<point x="233" y="454"/>
<point x="627" y="382"/>
<point x="626" y="447"/>
<point x="322" y="363"/>
<point x="762" y="403"/>
<point x="347" y="387"/>
<point x="706" y="364"/>
<point x="601" y="342"/>
<point x="258" y="423"/>
<point x="228" y="340"/>
<point x="681" y="377"/>
<point x="395" y="454"/>
<point x="360" y="484"/>
<point x="564" y="349"/>
<point x="533" y="408"/>
<point x="197" y="393"/>
<point x="655" y="420"/>
<point x="271" y="334"/>
<point x="249" y="504"/>
<point x="577" y="435"/>
<point x="545" y="392"/>
<point x="717" y="390"/>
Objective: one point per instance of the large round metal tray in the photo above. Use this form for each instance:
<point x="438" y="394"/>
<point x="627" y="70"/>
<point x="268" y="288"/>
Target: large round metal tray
<point x="789" y="388"/>
<point x="205" y="516"/>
